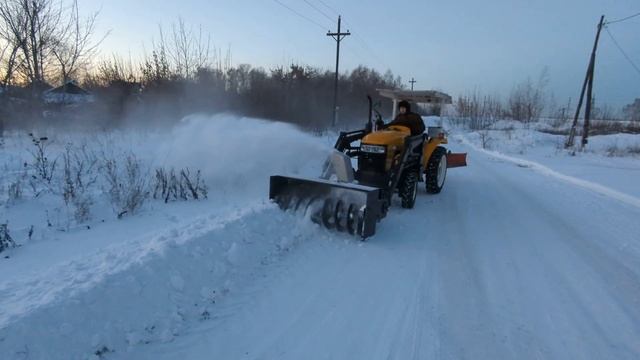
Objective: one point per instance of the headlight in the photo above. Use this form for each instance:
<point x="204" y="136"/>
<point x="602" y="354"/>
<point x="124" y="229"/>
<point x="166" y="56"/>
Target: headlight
<point x="376" y="149"/>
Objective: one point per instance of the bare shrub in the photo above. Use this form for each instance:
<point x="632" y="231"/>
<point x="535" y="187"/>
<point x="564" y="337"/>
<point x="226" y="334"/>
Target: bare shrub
<point x="127" y="188"/>
<point x="479" y="111"/>
<point x="194" y="184"/>
<point x="14" y="190"/>
<point x="79" y="176"/>
<point x="186" y="186"/>
<point x="485" y="138"/>
<point x="82" y="208"/>
<point x="560" y="117"/>
<point x="605" y="112"/>
<point x="632" y="111"/>
<point x="42" y="165"/>
<point x="615" y="151"/>
<point x="6" y="242"/>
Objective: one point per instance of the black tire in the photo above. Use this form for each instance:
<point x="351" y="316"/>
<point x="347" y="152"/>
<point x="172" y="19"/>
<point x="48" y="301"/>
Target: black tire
<point x="436" y="171"/>
<point x="408" y="189"/>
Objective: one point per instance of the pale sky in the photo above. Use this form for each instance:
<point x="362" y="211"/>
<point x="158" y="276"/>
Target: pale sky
<point x="451" y="45"/>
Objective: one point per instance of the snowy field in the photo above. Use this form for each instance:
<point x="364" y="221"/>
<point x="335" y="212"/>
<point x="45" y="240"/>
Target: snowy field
<point x="609" y="160"/>
<point x="530" y="252"/>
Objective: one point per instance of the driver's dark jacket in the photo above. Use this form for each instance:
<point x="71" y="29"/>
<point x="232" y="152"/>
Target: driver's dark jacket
<point x="411" y="120"/>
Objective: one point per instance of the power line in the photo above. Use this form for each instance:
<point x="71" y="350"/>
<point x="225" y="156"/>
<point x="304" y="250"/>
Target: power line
<point x="300" y="14"/>
<point x="623" y="19"/>
<point x="320" y="11"/>
<point x="361" y="40"/>
<point x="329" y="7"/>
<point x="624" y="53"/>
<point x="369" y="49"/>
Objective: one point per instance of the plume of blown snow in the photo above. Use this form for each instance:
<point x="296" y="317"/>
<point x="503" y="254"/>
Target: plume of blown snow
<point x="238" y="154"/>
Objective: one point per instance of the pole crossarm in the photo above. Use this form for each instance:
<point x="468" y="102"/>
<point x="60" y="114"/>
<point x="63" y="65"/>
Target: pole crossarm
<point x="413" y="81"/>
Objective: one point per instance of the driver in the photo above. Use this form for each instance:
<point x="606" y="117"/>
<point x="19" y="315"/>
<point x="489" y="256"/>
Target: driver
<point x="408" y="119"/>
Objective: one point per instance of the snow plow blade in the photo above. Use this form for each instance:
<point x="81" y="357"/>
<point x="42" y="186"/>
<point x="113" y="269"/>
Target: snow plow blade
<point x="455" y="160"/>
<point x="344" y="207"/>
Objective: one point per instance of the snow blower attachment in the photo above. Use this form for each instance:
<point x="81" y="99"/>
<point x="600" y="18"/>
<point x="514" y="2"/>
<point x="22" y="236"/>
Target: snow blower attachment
<point x="344" y="207"/>
<point x="390" y="161"/>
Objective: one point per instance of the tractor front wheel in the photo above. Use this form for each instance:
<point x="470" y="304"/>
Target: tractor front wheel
<point x="408" y="190"/>
<point x="436" y="171"/>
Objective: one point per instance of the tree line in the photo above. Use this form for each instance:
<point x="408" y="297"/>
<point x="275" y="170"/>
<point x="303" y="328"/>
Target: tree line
<point x="46" y="42"/>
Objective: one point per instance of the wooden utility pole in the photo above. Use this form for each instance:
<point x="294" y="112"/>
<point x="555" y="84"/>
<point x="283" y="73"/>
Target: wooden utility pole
<point x="337" y="36"/>
<point x="588" y="87"/>
<point x="413" y="81"/>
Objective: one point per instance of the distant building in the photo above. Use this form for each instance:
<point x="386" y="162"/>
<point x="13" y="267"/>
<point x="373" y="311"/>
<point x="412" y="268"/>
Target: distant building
<point x="431" y="100"/>
<point x="68" y="94"/>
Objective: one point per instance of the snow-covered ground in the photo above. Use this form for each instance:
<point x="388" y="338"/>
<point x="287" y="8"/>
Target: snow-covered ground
<point x="529" y="252"/>
<point x="609" y="160"/>
<point x="63" y="260"/>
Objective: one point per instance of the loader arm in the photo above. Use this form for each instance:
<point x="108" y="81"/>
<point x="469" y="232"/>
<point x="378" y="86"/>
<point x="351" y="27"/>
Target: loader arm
<point x="346" y="139"/>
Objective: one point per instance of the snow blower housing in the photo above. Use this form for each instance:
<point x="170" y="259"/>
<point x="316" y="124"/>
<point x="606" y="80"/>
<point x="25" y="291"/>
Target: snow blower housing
<point x="389" y="161"/>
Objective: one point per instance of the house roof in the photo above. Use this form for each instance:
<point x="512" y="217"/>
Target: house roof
<point x="418" y="96"/>
<point x="68" y="88"/>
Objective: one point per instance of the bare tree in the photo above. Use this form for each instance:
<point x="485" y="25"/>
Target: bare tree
<point x="9" y="45"/>
<point x="186" y="50"/>
<point x="632" y="111"/>
<point x="8" y="57"/>
<point x="189" y="50"/>
<point x="74" y="46"/>
<point x="527" y="100"/>
<point x="8" y="61"/>
<point x="34" y="25"/>
<point x="48" y="38"/>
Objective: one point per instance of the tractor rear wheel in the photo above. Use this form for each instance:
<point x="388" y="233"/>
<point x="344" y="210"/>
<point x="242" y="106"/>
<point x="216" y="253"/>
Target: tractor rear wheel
<point x="408" y="189"/>
<point x="436" y="171"/>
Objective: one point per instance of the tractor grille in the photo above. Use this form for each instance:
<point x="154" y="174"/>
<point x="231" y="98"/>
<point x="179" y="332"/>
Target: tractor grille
<point x="372" y="162"/>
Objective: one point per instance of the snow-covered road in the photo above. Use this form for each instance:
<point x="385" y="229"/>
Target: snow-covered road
<point x="506" y="263"/>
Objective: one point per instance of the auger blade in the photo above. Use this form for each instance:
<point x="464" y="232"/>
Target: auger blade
<point x="343" y="207"/>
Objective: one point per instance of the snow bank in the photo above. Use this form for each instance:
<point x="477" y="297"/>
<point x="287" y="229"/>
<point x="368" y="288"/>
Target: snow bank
<point x="150" y="291"/>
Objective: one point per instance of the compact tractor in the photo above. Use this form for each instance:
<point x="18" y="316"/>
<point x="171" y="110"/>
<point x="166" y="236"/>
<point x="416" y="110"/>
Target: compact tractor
<point x="388" y="162"/>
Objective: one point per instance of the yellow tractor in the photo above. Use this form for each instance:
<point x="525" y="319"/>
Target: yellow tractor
<point x="389" y="161"/>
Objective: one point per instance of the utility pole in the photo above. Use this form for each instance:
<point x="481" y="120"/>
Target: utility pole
<point x="337" y="36"/>
<point x="413" y="81"/>
<point x="588" y="87"/>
